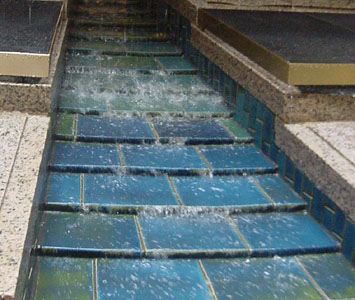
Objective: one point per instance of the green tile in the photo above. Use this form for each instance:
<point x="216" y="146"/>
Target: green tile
<point x="333" y="273"/>
<point x="205" y="104"/>
<point x="177" y="65"/>
<point x="130" y="63"/>
<point x="122" y="102"/>
<point x="65" y="127"/>
<point x="239" y="133"/>
<point x="64" y="278"/>
<point x="97" y="46"/>
<point x="152" y="49"/>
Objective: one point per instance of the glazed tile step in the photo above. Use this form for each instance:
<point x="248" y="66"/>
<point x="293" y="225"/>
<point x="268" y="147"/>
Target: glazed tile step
<point x="115" y="21"/>
<point x="229" y="279"/>
<point x="129" y="48"/>
<point x="98" y="235"/>
<point x="152" y="86"/>
<point x="167" y="195"/>
<point x="104" y="34"/>
<point x="138" y="131"/>
<point x="159" y="159"/>
<point x="176" y="65"/>
<point x="98" y="103"/>
<point x="113" y="2"/>
<point x="115" y="10"/>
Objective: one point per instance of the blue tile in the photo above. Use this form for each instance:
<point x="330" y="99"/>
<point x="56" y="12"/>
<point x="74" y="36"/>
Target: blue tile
<point x="278" y="191"/>
<point x="220" y="191"/>
<point x="258" y="133"/>
<point x="307" y="186"/>
<point x="283" y="234"/>
<point x="339" y="222"/>
<point x="317" y="204"/>
<point x="274" y="153"/>
<point x="112" y="129"/>
<point x="176" y="65"/>
<point x="89" y="234"/>
<point x="177" y="160"/>
<point x="290" y="169"/>
<point x="328" y="217"/>
<point x="298" y="181"/>
<point x="334" y="275"/>
<point x="236" y="159"/>
<point x="70" y="157"/>
<point x="192" y="132"/>
<point x="64" y="278"/>
<point x="109" y="192"/>
<point x="63" y="190"/>
<point x="150" y="279"/>
<point x="348" y="248"/>
<point x="278" y="278"/>
<point x="181" y="236"/>
<point x="268" y="126"/>
<point x="281" y="161"/>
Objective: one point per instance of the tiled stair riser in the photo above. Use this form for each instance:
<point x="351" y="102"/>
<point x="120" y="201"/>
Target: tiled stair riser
<point x="258" y="120"/>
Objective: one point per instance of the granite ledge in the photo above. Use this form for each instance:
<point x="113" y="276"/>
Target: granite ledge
<point x="20" y="189"/>
<point x="324" y="156"/>
<point x="287" y="102"/>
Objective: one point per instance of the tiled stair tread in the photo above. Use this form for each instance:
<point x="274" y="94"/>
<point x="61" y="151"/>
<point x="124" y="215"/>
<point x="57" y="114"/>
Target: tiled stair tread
<point x="152" y="49"/>
<point x="182" y="236"/>
<point x="284" y="234"/>
<point x="176" y="65"/>
<point x="111" y="129"/>
<point x="65" y="126"/>
<point x="236" y="159"/>
<point x="109" y="193"/>
<point x="228" y="191"/>
<point x="81" y="20"/>
<point x="130" y="63"/>
<point x="173" y="160"/>
<point x="69" y="233"/>
<point x="278" y="278"/>
<point x="84" y="158"/>
<point x="333" y="273"/>
<point x="97" y="46"/>
<point x="192" y="132"/>
<point x="97" y="10"/>
<point x="71" y="278"/>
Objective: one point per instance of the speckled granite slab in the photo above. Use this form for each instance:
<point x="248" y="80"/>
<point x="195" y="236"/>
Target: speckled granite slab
<point x="22" y="139"/>
<point x="325" y="148"/>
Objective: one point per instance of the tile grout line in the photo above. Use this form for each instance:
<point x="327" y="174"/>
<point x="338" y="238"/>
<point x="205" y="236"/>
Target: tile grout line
<point x="207" y="280"/>
<point x="140" y="236"/>
<point x="259" y="187"/>
<point x="120" y="155"/>
<point x="94" y="279"/>
<point x="152" y="128"/>
<point x="311" y="279"/>
<point x="13" y="162"/>
<point x="203" y="159"/>
<point x="75" y="127"/>
<point x="236" y="230"/>
<point x="81" y="191"/>
<point x="175" y="191"/>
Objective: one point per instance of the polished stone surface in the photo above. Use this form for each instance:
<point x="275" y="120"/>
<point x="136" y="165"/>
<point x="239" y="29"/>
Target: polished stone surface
<point x="24" y="29"/>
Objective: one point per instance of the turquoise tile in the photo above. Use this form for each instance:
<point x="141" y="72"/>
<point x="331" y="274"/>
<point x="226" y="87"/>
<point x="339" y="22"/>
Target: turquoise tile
<point x="74" y="157"/>
<point x="181" y="236"/>
<point x="63" y="190"/>
<point x="284" y="234"/>
<point x="177" y="65"/>
<point x="113" y="129"/>
<point x="236" y="160"/>
<point x="279" y="191"/>
<point x="129" y="63"/>
<point x="80" y="60"/>
<point x="192" y="132"/>
<point x="207" y="104"/>
<point x="239" y="133"/>
<point x="174" y="160"/>
<point x="333" y="273"/>
<point x="89" y="234"/>
<point x="237" y="192"/>
<point x="122" y="102"/>
<point x="259" y="279"/>
<point x="109" y="192"/>
<point x="75" y="101"/>
<point x="152" y="49"/>
<point x="64" y="278"/>
<point x="151" y="279"/>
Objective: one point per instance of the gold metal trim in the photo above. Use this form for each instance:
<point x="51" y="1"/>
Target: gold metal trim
<point x="291" y="73"/>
